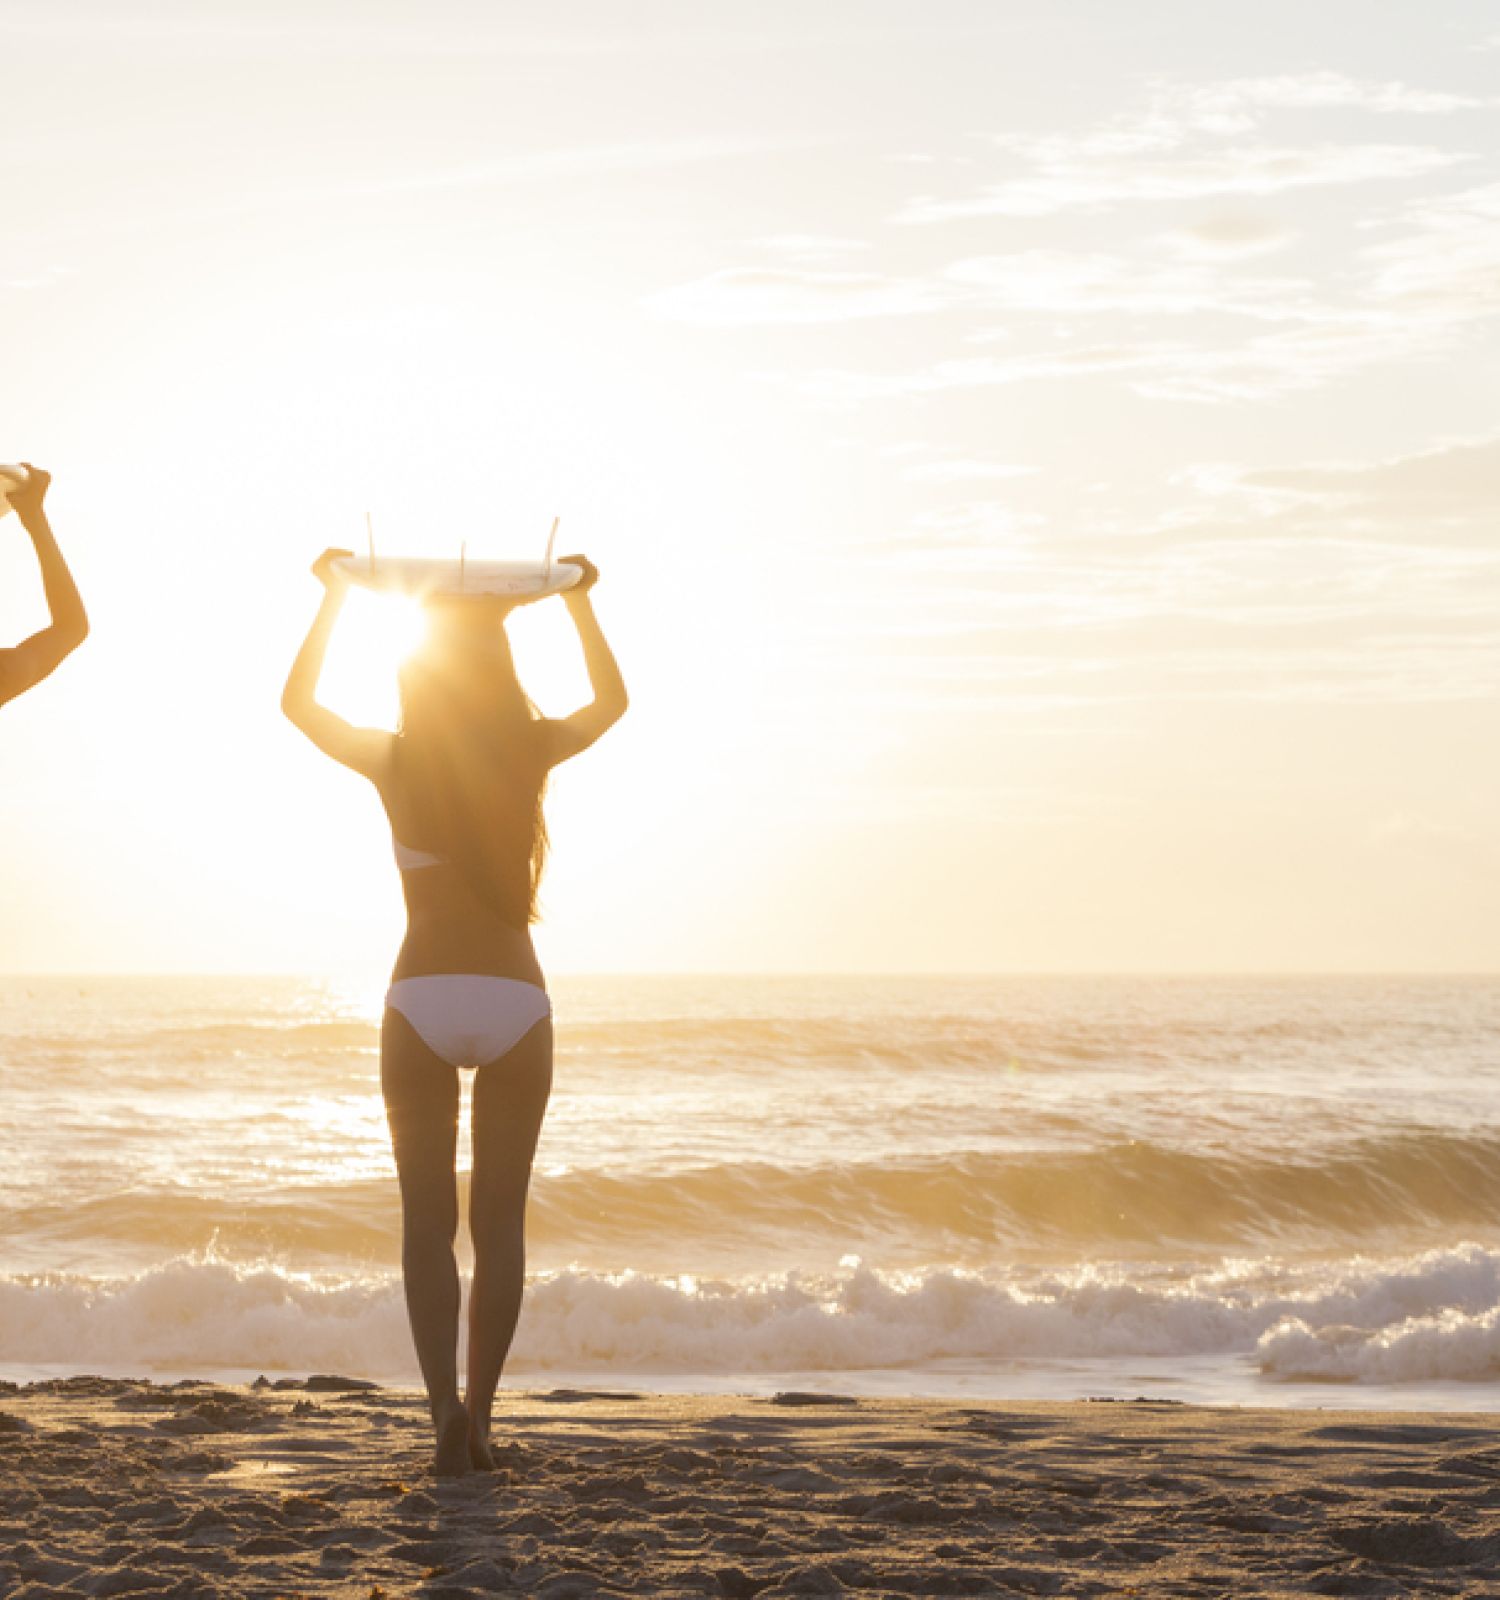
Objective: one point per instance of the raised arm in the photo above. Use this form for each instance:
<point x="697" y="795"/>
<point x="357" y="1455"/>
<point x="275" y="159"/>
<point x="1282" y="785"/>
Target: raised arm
<point x="32" y="660"/>
<point x="610" y="702"/>
<point x="366" y="750"/>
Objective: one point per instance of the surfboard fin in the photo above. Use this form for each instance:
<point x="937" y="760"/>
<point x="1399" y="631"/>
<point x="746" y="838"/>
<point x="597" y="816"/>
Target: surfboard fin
<point x="551" y="541"/>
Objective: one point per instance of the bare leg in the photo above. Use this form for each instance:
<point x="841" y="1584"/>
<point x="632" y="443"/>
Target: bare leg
<point x="510" y="1100"/>
<point x="421" y="1104"/>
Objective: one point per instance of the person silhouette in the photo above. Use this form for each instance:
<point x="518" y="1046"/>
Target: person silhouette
<point x="462" y="783"/>
<point x="24" y="666"/>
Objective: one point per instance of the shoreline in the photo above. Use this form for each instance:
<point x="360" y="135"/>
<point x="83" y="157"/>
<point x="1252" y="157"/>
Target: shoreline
<point x="321" y="1486"/>
<point x="1208" y="1382"/>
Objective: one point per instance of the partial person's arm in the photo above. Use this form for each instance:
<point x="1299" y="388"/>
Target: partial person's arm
<point x="366" y="750"/>
<point x="570" y="735"/>
<point x="25" y="666"/>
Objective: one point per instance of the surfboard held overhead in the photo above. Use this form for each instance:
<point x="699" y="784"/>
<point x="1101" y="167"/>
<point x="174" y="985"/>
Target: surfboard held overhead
<point x="424" y="579"/>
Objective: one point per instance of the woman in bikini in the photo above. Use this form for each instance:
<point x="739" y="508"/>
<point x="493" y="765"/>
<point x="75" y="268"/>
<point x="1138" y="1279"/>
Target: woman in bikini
<point x="462" y="784"/>
<point x="26" y="664"/>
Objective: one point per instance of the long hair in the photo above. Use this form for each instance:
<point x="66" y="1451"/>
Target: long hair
<point x="469" y="771"/>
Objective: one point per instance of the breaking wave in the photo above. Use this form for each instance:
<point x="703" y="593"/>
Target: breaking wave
<point x="1435" y="1316"/>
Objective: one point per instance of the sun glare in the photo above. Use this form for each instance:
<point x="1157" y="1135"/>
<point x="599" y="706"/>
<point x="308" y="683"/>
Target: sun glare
<point x="548" y="661"/>
<point x="375" y="635"/>
<point x="376" y="632"/>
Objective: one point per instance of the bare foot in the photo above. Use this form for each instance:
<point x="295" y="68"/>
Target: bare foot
<point x="451" y="1459"/>
<point x="479" y="1451"/>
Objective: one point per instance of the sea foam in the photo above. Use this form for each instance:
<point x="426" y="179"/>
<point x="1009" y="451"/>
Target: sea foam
<point x="1436" y="1316"/>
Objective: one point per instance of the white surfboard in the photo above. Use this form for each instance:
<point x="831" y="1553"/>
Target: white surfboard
<point x="517" y="581"/>
<point x="10" y="478"/>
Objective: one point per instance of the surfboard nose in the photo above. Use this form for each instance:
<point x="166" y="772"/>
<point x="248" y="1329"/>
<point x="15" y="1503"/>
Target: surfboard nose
<point x="11" y="479"/>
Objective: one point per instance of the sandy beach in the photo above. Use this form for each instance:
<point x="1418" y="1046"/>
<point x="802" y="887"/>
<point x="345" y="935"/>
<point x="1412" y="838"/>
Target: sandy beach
<point x="322" y="1487"/>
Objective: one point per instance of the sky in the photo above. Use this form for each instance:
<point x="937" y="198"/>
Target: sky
<point x="1043" y="462"/>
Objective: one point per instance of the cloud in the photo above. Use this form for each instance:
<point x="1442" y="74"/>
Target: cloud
<point x="1233" y="105"/>
<point x="1448" y="480"/>
<point x="1228" y="236"/>
<point x="962" y="470"/>
<point x="1258" y="369"/>
<point x="1209" y="617"/>
<point x="1173" y="149"/>
<point x="525" y="168"/>
<point x="1406" y="285"/>
<point x="1365" y="581"/>
<point x="280" y="31"/>
<point x="46" y="278"/>
<point x="1412" y="295"/>
<point x="1275" y="364"/>
<point x="1441" y="498"/>
<point x="1073" y="284"/>
<point x="1064" y="183"/>
<point x="563" y="162"/>
<point x="1209" y="599"/>
<point x="1448" y="265"/>
<point x="1049" y="282"/>
<point x="810" y="249"/>
<point x="983" y="372"/>
<point x="746" y="296"/>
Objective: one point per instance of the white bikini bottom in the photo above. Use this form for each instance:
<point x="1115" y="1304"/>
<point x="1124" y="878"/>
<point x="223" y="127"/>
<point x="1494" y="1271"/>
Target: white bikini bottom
<point x="469" y="1019"/>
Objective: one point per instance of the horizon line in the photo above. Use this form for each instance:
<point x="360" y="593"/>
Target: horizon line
<point x="805" y="975"/>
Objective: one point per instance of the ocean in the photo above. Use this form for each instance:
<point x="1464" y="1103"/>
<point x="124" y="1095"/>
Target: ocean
<point x="1248" y="1190"/>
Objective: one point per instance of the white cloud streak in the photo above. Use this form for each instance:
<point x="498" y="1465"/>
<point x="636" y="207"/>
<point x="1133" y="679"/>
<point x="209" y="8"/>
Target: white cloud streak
<point x="750" y="296"/>
<point x="1449" y="264"/>
<point x="1052" y="282"/>
<point x="1413" y="295"/>
<point x="1257" y="369"/>
<point x="1459" y="480"/>
<point x="1369" y="581"/>
<point x="1081" y="182"/>
<point x="1233" y="105"/>
<point x="1166" y="152"/>
<point x="962" y="470"/>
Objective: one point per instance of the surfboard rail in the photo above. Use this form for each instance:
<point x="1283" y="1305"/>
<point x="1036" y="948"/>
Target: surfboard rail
<point x="425" y="578"/>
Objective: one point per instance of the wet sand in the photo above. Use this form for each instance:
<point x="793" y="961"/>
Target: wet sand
<point x="110" y="1487"/>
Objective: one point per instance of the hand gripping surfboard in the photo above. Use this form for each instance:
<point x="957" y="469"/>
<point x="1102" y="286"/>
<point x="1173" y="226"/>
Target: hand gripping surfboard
<point x="10" y="478"/>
